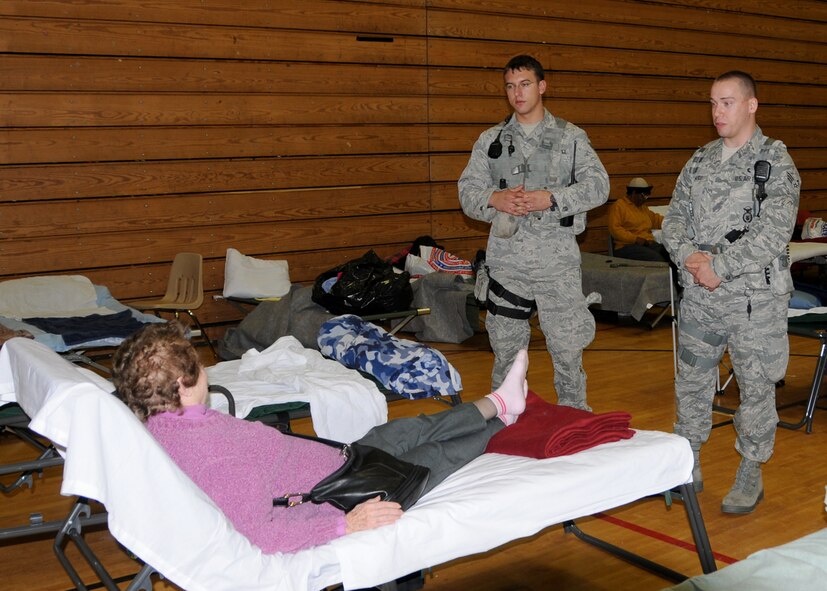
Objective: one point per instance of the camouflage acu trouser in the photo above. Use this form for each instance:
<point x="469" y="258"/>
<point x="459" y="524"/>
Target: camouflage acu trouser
<point x="566" y="323"/>
<point x="759" y="350"/>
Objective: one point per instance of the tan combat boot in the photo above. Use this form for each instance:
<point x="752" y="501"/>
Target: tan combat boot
<point x="747" y="491"/>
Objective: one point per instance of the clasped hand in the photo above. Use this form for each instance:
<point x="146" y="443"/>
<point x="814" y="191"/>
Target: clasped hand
<point x="699" y="264"/>
<point x="519" y="202"/>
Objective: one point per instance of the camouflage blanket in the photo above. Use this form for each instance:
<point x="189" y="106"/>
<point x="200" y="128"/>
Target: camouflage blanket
<point x="410" y="369"/>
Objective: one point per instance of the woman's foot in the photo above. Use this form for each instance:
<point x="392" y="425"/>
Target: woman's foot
<point x="510" y="397"/>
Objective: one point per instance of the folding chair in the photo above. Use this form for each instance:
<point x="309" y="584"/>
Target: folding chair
<point x="185" y="292"/>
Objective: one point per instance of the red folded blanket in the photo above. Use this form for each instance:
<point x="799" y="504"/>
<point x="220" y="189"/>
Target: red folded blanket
<point x="547" y="430"/>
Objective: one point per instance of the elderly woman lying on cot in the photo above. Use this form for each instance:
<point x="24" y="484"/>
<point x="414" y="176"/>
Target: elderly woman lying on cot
<point x="243" y="465"/>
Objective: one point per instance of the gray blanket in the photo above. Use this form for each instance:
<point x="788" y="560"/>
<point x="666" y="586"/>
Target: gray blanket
<point x="626" y="286"/>
<point x="295" y="314"/>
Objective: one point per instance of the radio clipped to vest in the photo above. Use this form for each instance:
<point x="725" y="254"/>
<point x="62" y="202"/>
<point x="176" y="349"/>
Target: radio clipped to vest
<point x="568" y="221"/>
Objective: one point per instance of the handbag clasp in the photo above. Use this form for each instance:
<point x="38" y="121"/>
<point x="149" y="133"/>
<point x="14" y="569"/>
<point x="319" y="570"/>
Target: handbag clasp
<point x="292" y="499"/>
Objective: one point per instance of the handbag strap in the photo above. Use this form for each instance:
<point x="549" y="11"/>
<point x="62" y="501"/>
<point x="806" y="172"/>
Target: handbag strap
<point x="294" y="499"/>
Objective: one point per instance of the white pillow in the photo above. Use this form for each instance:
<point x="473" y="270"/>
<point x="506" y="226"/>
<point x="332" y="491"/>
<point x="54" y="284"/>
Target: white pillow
<point x="246" y="277"/>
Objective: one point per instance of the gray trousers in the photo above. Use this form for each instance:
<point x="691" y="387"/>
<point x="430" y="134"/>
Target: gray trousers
<point x="759" y="349"/>
<point x="443" y="442"/>
<point x="565" y="321"/>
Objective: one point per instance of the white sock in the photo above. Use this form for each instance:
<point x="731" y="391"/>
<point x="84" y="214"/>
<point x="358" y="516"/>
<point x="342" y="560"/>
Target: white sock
<point x="510" y="397"/>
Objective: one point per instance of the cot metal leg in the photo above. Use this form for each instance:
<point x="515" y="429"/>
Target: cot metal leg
<point x="71" y="531"/>
<point x="143" y="580"/>
<point x="48" y="458"/>
<point x="81" y="358"/>
<point x="696" y="524"/>
<point x="807" y="419"/>
<point x="686" y="493"/>
<point x="203" y="332"/>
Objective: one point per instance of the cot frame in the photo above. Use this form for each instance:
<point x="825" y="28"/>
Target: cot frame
<point x="71" y="530"/>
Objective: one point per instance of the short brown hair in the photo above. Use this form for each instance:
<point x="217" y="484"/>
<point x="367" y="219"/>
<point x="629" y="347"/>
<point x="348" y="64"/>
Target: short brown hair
<point x="747" y="82"/>
<point x="525" y="62"/>
<point x="148" y="364"/>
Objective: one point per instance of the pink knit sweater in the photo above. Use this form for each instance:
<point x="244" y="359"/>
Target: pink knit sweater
<point x="242" y="465"/>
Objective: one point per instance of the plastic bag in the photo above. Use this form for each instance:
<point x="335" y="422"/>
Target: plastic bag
<point x="367" y="285"/>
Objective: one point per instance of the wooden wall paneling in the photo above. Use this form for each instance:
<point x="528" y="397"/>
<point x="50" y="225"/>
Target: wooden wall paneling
<point x="83" y="144"/>
<point x="493" y="54"/>
<point x="89" y="216"/>
<point x="814" y="201"/>
<point x="142" y="39"/>
<point x="331" y="15"/>
<point x="814" y="180"/>
<point x="137" y="75"/>
<point x="74" y="181"/>
<point x="536" y="28"/>
<point x="693" y="17"/>
<point x="809" y="158"/>
<point x="811" y="10"/>
<point x="100" y="109"/>
<point x="37" y="254"/>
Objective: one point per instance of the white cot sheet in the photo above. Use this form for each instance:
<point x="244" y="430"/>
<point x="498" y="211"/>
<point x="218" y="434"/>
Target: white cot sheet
<point x="343" y="404"/>
<point x="498" y="498"/>
<point x="159" y="514"/>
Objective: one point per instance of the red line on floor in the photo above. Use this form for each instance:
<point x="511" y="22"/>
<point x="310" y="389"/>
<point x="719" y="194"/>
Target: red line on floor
<point x="661" y="536"/>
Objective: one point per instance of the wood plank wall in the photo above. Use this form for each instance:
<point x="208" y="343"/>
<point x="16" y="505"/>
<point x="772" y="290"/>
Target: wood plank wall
<point x="312" y="130"/>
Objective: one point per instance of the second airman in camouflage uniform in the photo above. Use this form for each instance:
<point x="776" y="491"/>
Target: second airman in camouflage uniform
<point x="533" y="178"/>
<point x="727" y="229"/>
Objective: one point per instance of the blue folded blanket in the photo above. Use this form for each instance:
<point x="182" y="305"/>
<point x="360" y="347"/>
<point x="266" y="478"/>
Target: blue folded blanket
<point x="407" y="368"/>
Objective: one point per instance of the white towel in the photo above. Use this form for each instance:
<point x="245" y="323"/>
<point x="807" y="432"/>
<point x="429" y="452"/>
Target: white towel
<point x="343" y="404"/>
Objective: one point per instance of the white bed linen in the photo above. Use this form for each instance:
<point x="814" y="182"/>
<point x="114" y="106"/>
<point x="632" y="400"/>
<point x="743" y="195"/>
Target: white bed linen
<point x="159" y="514"/>
<point x="39" y="386"/>
<point x="498" y="498"/>
<point x="343" y="404"/>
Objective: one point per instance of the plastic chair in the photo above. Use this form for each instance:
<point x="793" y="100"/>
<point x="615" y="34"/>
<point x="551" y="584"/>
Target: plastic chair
<point x="185" y="292"/>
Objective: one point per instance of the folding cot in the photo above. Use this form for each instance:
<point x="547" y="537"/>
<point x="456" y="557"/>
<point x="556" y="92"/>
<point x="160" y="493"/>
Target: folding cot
<point x="68" y="313"/>
<point x="627" y="286"/>
<point x="159" y="514"/>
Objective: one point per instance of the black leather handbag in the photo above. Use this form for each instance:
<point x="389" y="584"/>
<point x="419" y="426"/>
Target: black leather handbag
<point x="367" y="472"/>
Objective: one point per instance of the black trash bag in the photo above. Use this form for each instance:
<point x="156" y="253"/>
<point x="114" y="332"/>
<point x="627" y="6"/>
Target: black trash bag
<point x="367" y="285"/>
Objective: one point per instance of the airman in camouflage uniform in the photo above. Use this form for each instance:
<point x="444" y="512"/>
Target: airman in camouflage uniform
<point x="533" y="177"/>
<point x="727" y="229"/>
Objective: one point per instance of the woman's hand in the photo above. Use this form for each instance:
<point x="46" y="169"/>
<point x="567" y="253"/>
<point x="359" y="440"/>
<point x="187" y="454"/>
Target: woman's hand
<point x="371" y="514"/>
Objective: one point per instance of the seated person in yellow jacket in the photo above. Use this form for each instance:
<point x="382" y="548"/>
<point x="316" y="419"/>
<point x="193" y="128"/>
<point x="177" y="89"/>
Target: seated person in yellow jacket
<point x="631" y="224"/>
